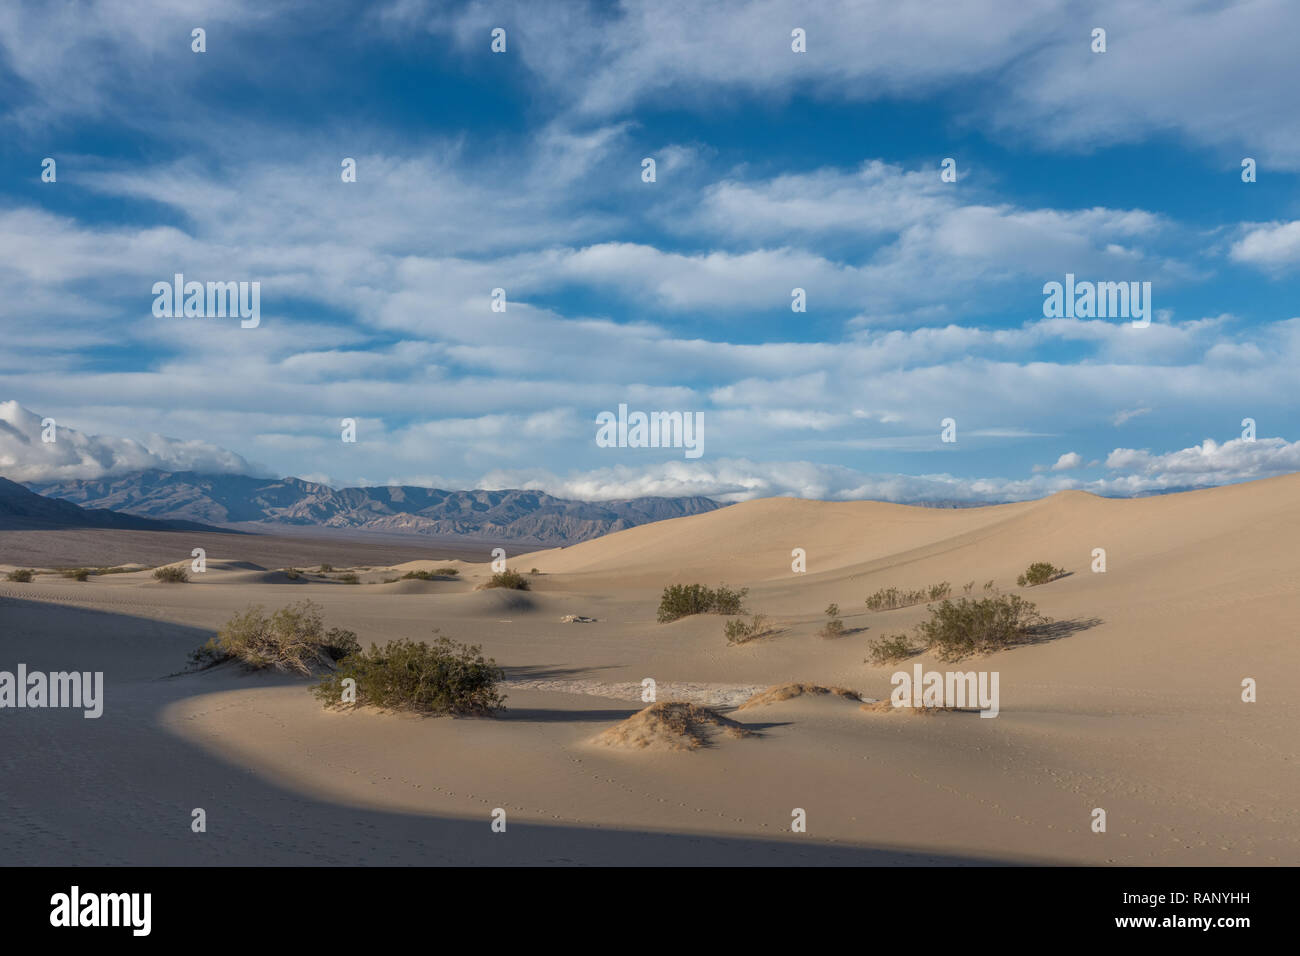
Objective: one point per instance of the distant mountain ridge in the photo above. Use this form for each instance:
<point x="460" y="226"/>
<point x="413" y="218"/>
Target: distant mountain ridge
<point x="24" y="510"/>
<point x="531" y="516"/>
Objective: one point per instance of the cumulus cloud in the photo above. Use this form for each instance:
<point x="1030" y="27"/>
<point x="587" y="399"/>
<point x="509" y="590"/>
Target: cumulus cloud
<point x="1068" y="461"/>
<point x="1208" y="463"/>
<point x="25" y="457"/>
<point x="1272" y="246"/>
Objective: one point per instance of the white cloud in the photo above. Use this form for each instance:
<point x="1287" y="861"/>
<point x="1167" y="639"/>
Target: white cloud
<point x="1208" y="463"/>
<point x="73" y="454"/>
<point x="1124" y="415"/>
<point x="1269" y="246"/>
<point x="1068" y="461"/>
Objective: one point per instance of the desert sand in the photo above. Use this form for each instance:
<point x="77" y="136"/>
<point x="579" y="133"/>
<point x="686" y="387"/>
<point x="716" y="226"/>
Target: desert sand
<point x="1133" y="706"/>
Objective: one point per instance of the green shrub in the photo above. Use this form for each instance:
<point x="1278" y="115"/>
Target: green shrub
<point x="683" y="600"/>
<point x="729" y="600"/>
<point x="888" y="599"/>
<point x="442" y="678"/>
<point x="1040" y="572"/>
<point x="890" y="649"/>
<point x="739" y="631"/>
<point x="966" y="626"/>
<point x="431" y="575"/>
<point x="508" y="579"/>
<point x="172" y="575"/>
<point x="292" y="639"/>
<point x="22" y="575"/>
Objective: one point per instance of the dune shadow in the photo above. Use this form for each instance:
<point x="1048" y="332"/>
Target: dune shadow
<point x="558" y="715"/>
<point x="1055" y="630"/>
<point x="547" y="671"/>
<point x="119" y="790"/>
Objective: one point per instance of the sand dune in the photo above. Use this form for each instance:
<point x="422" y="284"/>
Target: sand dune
<point x="1131" y="703"/>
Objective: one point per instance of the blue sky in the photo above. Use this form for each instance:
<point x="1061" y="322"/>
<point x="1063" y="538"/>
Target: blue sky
<point x="775" y="170"/>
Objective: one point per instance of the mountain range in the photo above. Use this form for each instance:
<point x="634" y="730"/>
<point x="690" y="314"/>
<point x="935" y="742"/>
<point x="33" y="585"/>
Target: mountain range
<point x="24" y="510"/>
<point x="529" y="516"/>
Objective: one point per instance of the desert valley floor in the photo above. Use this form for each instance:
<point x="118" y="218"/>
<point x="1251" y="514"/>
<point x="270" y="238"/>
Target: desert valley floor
<point x="1134" y="705"/>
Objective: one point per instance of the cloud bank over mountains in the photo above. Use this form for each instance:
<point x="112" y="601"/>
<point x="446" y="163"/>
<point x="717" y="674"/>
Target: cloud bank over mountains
<point x="25" y="458"/>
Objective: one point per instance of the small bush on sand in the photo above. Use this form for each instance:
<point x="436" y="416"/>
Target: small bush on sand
<point x="433" y="575"/>
<point x="293" y="639"/>
<point x="442" y="678"/>
<point x="728" y="600"/>
<point x="534" y="571"/>
<point x="966" y="626"/>
<point x="1040" y="572"/>
<point x="890" y="649"/>
<point x="77" y="574"/>
<point x="739" y="630"/>
<point x="508" y="579"/>
<point x="22" y="575"/>
<point x="683" y="600"/>
<point x="888" y="599"/>
<point x="834" y="626"/>
<point x="325" y="569"/>
<point x="293" y="574"/>
<point x="172" y="575"/>
<point x="349" y="578"/>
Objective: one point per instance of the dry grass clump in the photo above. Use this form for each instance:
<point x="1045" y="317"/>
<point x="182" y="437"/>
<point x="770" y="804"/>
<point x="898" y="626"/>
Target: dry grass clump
<point x="293" y="640"/>
<point x="780" y="692"/>
<point x="21" y="575"/>
<point x="888" y="599"/>
<point x="171" y="574"/>
<point x="886" y="707"/>
<point x="670" y="725"/>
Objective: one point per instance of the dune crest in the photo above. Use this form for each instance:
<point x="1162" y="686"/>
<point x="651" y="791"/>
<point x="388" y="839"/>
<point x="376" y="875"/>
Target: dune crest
<point x="779" y="692"/>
